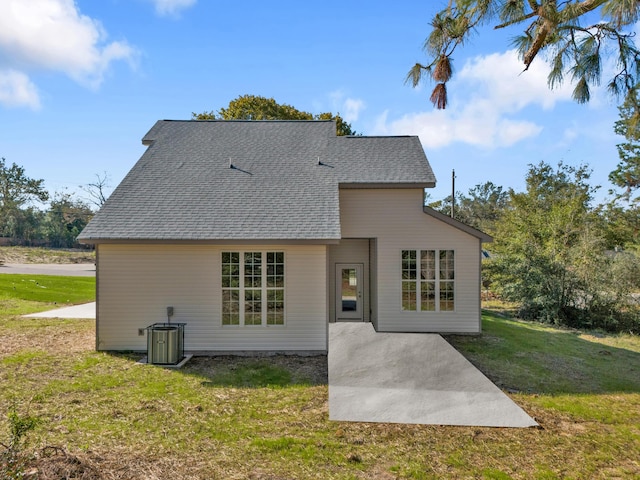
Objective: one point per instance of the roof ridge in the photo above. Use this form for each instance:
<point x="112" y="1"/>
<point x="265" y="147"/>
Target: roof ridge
<point x="377" y="136"/>
<point x="241" y="120"/>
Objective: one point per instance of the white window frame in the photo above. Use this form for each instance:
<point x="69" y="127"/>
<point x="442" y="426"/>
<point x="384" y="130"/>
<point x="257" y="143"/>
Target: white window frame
<point x="412" y="278"/>
<point x="242" y="289"/>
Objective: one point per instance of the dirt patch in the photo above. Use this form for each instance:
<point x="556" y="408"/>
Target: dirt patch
<point x="40" y="255"/>
<point x="55" y="463"/>
<point x="38" y="335"/>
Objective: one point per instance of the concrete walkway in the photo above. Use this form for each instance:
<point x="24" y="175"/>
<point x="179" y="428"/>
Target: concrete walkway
<point x="87" y="310"/>
<point x="411" y="378"/>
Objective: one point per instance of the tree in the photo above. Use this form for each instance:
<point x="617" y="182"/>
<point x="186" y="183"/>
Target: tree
<point x="22" y="225"/>
<point x="537" y="239"/>
<point x="17" y="190"/>
<point x="66" y="218"/>
<point x="549" y="254"/>
<point x="483" y="207"/>
<point x="621" y="225"/>
<point x="97" y="189"/>
<point x="550" y="26"/>
<point x="252" y="107"/>
<point x="480" y="209"/>
<point x="627" y="173"/>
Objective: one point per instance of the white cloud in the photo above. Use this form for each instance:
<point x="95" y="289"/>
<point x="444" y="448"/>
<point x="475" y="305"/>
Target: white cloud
<point x="348" y="108"/>
<point x="16" y="90"/>
<point x="171" y="7"/>
<point x="53" y="35"/>
<point x="499" y="77"/>
<point x="484" y="100"/>
<point x="352" y="107"/>
<point x="439" y="128"/>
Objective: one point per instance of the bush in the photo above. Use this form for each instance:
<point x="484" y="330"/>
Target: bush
<point x="13" y="459"/>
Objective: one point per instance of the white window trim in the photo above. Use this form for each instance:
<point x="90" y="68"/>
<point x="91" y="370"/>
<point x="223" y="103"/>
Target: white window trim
<point x="418" y="281"/>
<point x="263" y="289"/>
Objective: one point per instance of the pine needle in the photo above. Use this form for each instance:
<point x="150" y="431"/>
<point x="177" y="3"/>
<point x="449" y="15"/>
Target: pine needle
<point x="442" y="70"/>
<point x="439" y="96"/>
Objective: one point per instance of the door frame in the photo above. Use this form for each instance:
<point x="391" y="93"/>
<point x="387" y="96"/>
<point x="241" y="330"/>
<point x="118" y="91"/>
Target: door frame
<point x="358" y="314"/>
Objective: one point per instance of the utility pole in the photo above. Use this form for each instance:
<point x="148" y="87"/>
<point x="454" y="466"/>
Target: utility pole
<point x="453" y="192"/>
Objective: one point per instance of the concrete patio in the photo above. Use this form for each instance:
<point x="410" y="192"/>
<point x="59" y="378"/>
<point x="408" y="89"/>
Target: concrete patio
<point x="411" y="378"/>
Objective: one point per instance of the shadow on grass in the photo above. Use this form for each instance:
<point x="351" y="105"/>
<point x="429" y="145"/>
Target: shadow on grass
<point x="251" y="372"/>
<point x="534" y="358"/>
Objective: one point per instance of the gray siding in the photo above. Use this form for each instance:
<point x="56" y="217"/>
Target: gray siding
<point x="137" y="282"/>
<point x="396" y="219"/>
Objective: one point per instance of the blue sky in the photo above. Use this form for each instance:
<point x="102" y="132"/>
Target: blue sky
<point x="82" y="82"/>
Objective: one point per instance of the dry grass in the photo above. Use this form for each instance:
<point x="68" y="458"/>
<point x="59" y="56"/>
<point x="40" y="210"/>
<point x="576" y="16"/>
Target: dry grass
<point x="57" y="337"/>
<point x="45" y="255"/>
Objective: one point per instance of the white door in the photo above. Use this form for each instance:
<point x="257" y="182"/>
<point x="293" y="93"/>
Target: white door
<point x="349" y="292"/>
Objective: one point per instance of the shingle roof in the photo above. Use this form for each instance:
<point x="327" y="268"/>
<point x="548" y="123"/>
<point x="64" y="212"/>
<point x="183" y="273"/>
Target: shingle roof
<point x="474" y="232"/>
<point x="250" y="180"/>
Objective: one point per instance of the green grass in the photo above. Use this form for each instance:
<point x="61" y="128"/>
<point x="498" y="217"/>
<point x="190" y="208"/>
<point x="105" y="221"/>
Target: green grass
<point x="535" y="358"/>
<point x="267" y="418"/>
<point x="255" y="374"/>
<point x="591" y="376"/>
<point x="20" y="290"/>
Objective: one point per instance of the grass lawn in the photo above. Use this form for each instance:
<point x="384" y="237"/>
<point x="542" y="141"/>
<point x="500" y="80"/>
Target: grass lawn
<point x="22" y="294"/>
<point x="267" y="418"/>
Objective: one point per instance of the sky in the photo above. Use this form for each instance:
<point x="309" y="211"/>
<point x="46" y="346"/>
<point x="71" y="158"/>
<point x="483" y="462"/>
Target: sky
<point x="81" y="82"/>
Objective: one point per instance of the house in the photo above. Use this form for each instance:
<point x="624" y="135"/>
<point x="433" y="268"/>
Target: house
<point x="260" y="233"/>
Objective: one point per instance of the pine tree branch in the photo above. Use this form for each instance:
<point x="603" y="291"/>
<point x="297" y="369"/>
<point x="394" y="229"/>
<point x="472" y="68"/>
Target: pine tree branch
<point x="517" y="20"/>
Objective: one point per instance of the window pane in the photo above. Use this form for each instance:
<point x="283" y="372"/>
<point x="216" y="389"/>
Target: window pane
<point x="428" y="296"/>
<point x="349" y="290"/>
<point x="446" y="265"/>
<point x="428" y="264"/>
<point x="408" y="296"/>
<point x="275" y="307"/>
<point x="446" y="296"/>
<point x="230" y="257"/>
<point x="253" y="270"/>
<point x="275" y="270"/>
<point x="230" y="270"/>
<point x="230" y="307"/>
<point x="409" y="265"/>
<point x="252" y="307"/>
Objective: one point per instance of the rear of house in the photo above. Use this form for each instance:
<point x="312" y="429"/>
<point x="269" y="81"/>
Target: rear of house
<point x="259" y="234"/>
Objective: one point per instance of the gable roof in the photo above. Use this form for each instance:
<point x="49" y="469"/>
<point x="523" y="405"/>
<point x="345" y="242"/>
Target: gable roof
<point x="474" y="232"/>
<point x="250" y="180"/>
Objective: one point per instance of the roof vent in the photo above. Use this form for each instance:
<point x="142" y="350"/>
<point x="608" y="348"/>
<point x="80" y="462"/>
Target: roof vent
<point x="322" y="164"/>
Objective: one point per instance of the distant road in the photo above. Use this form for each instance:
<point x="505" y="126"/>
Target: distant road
<point x="64" y="269"/>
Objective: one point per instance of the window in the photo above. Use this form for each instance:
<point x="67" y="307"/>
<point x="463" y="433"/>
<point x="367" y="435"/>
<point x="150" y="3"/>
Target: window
<point x="428" y="280"/>
<point x="252" y="288"/>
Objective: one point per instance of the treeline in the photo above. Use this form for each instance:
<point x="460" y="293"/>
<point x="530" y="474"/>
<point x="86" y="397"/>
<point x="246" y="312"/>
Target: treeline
<point x="559" y="256"/>
<point x="29" y="215"/>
